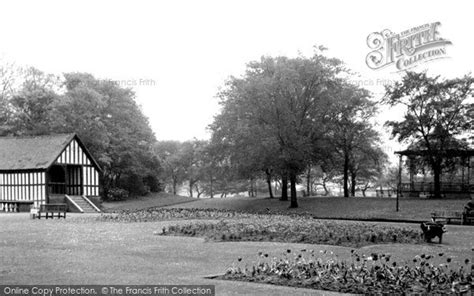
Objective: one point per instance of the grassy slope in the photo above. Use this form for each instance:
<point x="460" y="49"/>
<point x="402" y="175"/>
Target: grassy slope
<point x="337" y="207"/>
<point x="143" y="202"/>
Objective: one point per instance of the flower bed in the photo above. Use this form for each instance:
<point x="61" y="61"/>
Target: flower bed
<point x="295" y="230"/>
<point x="162" y="214"/>
<point x="238" y="226"/>
<point x="373" y="274"/>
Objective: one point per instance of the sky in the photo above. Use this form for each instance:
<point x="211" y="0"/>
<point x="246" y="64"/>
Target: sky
<point x="177" y="54"/>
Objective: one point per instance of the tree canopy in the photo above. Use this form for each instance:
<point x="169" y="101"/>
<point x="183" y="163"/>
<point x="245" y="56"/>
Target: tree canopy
<point x="104" y="115"/>
<point x="285" y="113"/>
<point x="438" y="116"/>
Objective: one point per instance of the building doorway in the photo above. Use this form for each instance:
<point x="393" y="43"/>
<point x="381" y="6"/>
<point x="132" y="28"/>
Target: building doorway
<point x="65" y="179"/>
<point x="74" y="180"/>
<point x="57" y="180"/>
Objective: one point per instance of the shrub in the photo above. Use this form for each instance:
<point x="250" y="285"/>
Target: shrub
<point x="153" y="183"/>
<point x="134" y="185"/>
<point x="117" y="194"/>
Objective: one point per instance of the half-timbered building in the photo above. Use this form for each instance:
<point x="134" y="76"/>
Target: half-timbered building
<point x="38" y="170"/>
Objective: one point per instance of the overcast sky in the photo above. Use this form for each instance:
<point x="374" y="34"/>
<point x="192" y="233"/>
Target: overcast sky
<point x="176" y="54"/>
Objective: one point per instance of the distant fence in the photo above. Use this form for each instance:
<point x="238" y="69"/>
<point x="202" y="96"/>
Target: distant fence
<point x="385" y="193"/>
<point x="429" y="187"/>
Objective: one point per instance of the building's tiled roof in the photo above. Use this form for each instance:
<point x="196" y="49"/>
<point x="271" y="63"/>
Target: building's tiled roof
<point x="35" y="152"/>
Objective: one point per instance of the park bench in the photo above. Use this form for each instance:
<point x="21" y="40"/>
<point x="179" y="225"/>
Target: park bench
<point x="448" y="216"/>
<point x="50" y="209"/>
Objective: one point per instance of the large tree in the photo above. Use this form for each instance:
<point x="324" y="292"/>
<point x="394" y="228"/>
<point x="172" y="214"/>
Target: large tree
<point x="280" y="102"/>
<point x="104" y="115"/>
<point x="193" y="162"/>
<point x="438" y="114"/>
<point x="8" y="76"/>
<point x="170" y="156"/>
<point x="111" y="123"/>
<point x="350" y="137"/>
<point x="367" y="165"/>
<point x="27" y="97"/>
<point x="249" y="152"/>
<point x="33" y="103"/>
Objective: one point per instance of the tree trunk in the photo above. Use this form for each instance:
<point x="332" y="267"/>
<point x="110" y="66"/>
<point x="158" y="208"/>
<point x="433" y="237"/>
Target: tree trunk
<point x="437" y="180"/>
<point x="367" y="185"/>
<point x="269" y="182"/>
<point x="212" y="189"/>
<point x="353" y="184"/>
<point x="251" y="191"/>
<point x="308" y="182"/>
<point x="255" y="191"/>
<point x="346" y="175"/>
<point x="191" y="188"/>
<point x="199" y="192"/>
<point x="174" y="186"/>
<point x="117" y="179"/>
<point x="284" y="187"/>
<point x="293" y="200"/>
<point x="326" y="191"/>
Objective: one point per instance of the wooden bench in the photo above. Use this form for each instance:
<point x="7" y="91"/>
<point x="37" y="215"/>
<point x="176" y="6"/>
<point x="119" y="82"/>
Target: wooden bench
<point x="447" y="217"/>
<point x="52" y="209"/>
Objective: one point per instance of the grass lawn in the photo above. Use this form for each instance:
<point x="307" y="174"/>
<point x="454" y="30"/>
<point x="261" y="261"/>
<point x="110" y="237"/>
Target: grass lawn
<point x="337" y="207"/>
<point x="152" y="200"/>
<point x="81" y="250"/>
